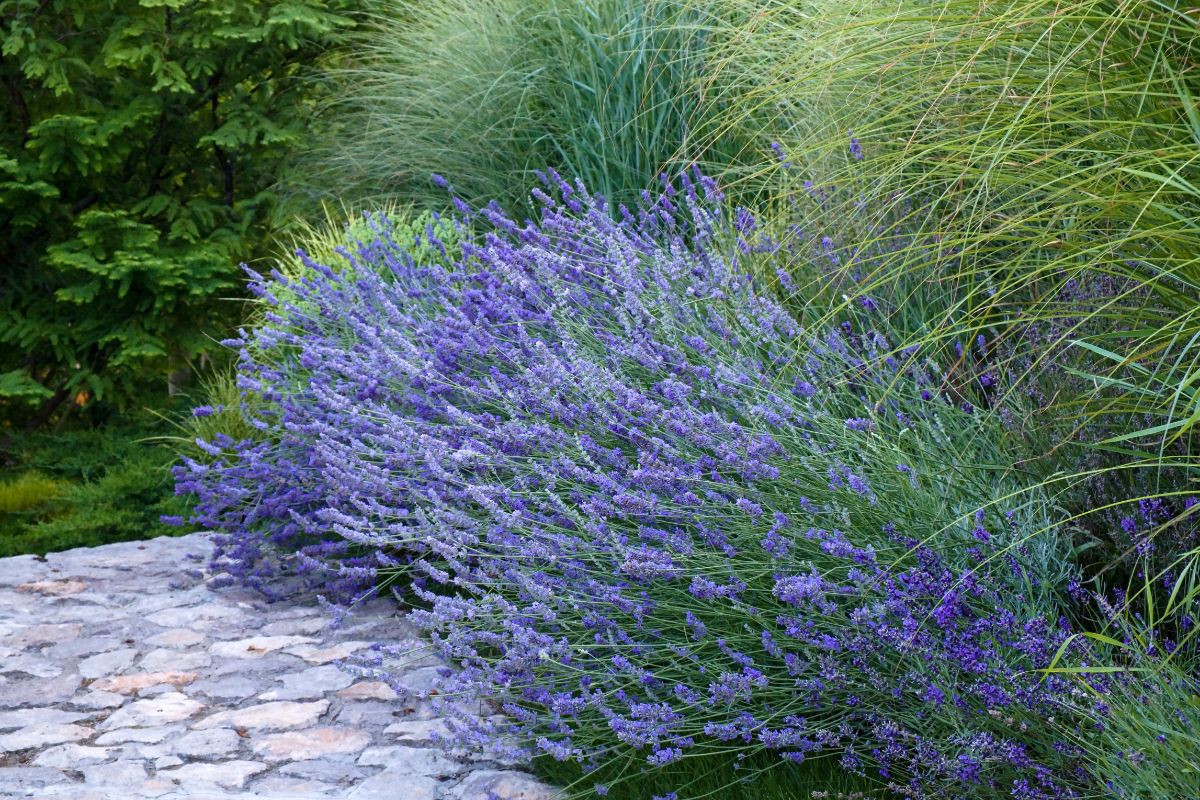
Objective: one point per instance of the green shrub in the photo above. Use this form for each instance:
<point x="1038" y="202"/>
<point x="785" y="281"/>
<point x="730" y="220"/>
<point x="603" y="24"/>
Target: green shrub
<point x="139" y="142"/>
<point x="27" y="491"/>
<point x="87" y="487"/>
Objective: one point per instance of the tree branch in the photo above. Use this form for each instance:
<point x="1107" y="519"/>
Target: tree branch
<point x="19" y="103"/>
<point x="222" y="159"/>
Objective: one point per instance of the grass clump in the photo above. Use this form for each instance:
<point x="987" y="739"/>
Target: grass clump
<point x="612" y="91"/>
<point x="1029" y="147"/>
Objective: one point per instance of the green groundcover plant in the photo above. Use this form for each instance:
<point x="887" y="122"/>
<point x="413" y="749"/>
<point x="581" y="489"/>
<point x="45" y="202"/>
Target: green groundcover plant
<point x="87" y="487"/>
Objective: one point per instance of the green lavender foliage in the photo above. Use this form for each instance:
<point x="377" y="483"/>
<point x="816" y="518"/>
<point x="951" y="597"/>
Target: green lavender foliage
<point x="1151" y="742"/>
<point x="139" y="141"/>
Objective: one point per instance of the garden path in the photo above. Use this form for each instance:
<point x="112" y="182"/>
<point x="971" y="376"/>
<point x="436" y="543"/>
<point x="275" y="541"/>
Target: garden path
<point x="123" y="675"/>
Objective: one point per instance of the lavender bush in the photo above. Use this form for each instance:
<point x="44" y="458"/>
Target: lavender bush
<point x="650" y="515"/>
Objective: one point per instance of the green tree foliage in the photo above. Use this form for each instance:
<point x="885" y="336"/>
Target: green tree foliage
<point x="139" y="142"/>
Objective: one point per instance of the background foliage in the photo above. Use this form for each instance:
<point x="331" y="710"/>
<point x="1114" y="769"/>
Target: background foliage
<point x="138" y="145"/>
<point x="485" y="93"/>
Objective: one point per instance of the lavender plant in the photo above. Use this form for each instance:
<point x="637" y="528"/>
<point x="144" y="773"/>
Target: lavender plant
<point x="648" y="514"/>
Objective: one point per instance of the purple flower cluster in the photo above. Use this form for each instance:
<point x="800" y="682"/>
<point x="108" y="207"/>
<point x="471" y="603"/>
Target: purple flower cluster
<point x="643" y="508"/>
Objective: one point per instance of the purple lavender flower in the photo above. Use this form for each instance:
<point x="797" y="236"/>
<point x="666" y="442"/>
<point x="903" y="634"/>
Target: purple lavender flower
<point x="855" y="148"/>
<point x="616" y="478"/>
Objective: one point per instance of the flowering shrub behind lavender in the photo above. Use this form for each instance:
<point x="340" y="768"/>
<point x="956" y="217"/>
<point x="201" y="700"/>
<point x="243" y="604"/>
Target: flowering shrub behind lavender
<point x="648" y="512"/>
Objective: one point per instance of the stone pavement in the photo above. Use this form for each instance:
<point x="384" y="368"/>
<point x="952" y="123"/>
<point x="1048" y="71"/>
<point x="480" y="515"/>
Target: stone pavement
<point x="122" y="675"/>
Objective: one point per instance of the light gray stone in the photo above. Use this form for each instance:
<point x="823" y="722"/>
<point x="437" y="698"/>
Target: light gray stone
<point x="385" y="786"/>
<point x="320" y="769"/>
<point x="310" y="743"/>
<point x="10" y="720"/>
<point x="296" y="627"/>
<point x="282" y="786"/>
<point x="119" y="774"/>
<point x="188" y="617"/>
<point x="369" y="714"/>
<point x="25" y="692"/>
<point x="323" y="654"/>
<point x="105" y="664"/>
<point x="368" y="690"/>
<point x="98" y="700"/>
<point x="138" y="682"/>
<point x="42" y="735"/>
<point x="79" y="648"/>
<point x="274" y="716"/>
<point x="176" y="639"/>
<point x="165" y="762"/>
<point x="502" y="785"/>
<point x="420" y="681"/>
<point x="15" y="781"/>
<point x="208" y="744"/>
<point x="143" y="735"/>
<point x="235" y="687"/>
<point x="29" y="664"/>
<point x="165" y="660"/>
<point x="24" y="636"/>
<point x="255" y="668"/>
<point x="419" y="731"/>
<point x="71" y="756"/>
<point x="256" y="646"/>
<point x="180" y="596"/>
<point x="310" y="684"/>
<point x="228" y="774"/>
<point x="53" y="587"/>
<point x="379" y="756"/>
<point x="153" y="712"/>
<point x="21" y="569"/>
<point x="412" y="761"/>
<point x="137" y="751"/>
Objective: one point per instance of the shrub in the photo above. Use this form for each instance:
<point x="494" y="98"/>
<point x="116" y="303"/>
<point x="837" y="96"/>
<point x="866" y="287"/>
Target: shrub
<point x="236" y="406"/>
<point x="27" y="491"/>
<point x="83" y="488"/>
<point x="653" y="516"/>
<point x="139" y="142"/>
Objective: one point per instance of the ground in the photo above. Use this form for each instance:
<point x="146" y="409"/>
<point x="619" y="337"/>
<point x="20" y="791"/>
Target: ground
<point x="123" y="674"/>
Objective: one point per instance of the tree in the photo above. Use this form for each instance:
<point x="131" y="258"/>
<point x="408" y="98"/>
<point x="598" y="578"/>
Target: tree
<point x="139" y="141"/>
